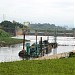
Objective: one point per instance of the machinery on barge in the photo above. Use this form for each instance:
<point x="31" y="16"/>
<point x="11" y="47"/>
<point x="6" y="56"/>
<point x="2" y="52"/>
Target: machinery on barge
<point x="36" y="49"/>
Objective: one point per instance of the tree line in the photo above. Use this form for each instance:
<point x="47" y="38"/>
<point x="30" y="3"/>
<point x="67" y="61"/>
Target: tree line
<point x="10" y="27"/>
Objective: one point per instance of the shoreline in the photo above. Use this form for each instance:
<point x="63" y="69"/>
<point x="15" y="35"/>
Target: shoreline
<point x="8" y="41"/>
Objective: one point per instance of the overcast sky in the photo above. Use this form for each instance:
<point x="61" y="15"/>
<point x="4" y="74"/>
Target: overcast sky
<point x="58" y="12"/>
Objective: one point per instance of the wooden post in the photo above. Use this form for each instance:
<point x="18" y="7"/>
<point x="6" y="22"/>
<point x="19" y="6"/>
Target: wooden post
<point x="47" y="36"/>
<point x="23" y="41"/>
<point x="41" y="46"/>
<point x="24" y="32"/>
<point x="36" y="40"/>
<point x="65" y="33"/>
<point x="55" y="41"/>
<point x="73" y="33"/>
<point x="55" y="35"/>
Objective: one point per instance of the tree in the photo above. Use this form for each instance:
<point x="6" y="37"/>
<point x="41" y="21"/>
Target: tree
<point x="11" y="27"/>
<point x="7" y="24"/>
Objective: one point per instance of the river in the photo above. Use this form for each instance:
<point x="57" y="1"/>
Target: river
<point x="66" y="44"/>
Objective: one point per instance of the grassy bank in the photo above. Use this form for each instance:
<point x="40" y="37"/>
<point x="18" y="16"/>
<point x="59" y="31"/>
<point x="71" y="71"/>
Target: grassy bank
<point x="7" y="41"/>
<point x="39" y="67"/>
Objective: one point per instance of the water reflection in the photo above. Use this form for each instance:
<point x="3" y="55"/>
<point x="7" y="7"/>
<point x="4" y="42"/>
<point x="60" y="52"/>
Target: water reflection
<point x="10" y="53"/>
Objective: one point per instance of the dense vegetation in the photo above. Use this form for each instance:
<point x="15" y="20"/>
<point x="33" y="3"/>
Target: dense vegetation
<point x="46" y="26"/>
<point x="39" y="67"/>
<point x="11" y="27"/>
<point x="5" y="39"/>
<point x="11" y="24"/>
<point x="7" y="29"/>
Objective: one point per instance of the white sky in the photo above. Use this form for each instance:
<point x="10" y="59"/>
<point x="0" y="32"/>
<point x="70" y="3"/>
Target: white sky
<point x="58" y="12"/>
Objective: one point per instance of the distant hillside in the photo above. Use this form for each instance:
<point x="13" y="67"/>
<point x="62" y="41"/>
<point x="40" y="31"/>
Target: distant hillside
<point x="45" y="26"/>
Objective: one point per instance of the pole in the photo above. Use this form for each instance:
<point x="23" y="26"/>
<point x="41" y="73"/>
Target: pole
<point x="23" y="40"/>
<point x="22" y="53"/>
<point x="74" y="33"/>
<point x="36" y="40"/>
<point x="55" y="41"/>
<point x="41" y="45"/>
<point x="48" y="37"/>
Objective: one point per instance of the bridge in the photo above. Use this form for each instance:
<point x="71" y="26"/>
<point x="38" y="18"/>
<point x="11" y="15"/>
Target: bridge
<point x="42" y="32"/>
<point x="53" y="34"/>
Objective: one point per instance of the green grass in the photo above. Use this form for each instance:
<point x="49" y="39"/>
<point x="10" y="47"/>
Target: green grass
<point x="3" y="33"/>
<point x="39" y="67"/>
<point x="7" y="41"/>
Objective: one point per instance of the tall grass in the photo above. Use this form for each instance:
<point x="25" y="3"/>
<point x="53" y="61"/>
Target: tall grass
<point x="39" y="67"/>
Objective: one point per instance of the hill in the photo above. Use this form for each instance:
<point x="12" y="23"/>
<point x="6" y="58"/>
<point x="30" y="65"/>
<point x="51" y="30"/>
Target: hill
<point x="45" y="26"/>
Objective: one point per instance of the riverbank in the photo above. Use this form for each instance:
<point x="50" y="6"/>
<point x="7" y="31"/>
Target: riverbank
<point x="57" y="56"/>
<point x="39" y="67"/>
<point x="7" y="41"/>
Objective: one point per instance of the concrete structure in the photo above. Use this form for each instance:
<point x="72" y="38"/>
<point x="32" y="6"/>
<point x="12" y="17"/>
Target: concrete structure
<point x="26" y="23"/>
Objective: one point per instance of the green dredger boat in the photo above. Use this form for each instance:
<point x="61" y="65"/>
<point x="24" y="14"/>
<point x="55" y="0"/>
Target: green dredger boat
<point x="36" y="50"/>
